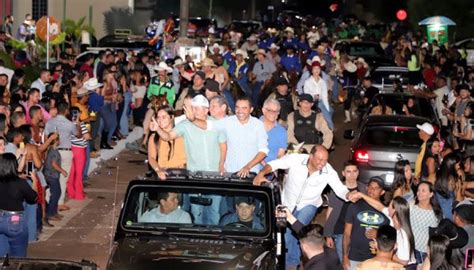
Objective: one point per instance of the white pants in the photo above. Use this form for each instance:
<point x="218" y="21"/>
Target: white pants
<point x="66" y="161"/>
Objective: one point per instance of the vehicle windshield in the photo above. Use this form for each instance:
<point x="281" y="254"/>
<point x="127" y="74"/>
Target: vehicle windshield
<point x="393" y="136"/>
<point x="196" y="210"/>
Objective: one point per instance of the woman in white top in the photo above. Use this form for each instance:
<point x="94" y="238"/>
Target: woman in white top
<point x="398" y="212"/>
<point x="316" y="87"/>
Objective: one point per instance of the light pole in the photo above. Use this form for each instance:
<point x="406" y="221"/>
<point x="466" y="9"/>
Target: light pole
<point x="183" y="18"/>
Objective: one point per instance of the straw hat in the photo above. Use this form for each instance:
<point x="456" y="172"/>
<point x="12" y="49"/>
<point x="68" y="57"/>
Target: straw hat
<point x="350" y="67"/>
<point x="241" y="52"/>
<point x="261" y="51"/>
<point x="207" y="62"/>
<point x="274" y="47"/>
<point x="289" y="29"/>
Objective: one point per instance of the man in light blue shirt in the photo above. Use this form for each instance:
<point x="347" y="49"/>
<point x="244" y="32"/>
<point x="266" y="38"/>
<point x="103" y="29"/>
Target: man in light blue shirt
<point x="167" y="211"/>
<point x="40" y="83"/>
<point x="247" y="140"/>
<point x="277" y="135"/>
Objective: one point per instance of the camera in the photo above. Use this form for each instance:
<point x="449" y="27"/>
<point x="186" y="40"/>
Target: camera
<point x="281" y="216"/>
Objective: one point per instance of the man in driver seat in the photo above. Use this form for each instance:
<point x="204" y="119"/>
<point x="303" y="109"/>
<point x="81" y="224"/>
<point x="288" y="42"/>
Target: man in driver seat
<point x="244" y="215"/>
<point x="167" y="211"/>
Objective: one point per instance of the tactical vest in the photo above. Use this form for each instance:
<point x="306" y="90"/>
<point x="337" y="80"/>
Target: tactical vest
<point x="286" y="105"/>
<point x="305" y="130"/>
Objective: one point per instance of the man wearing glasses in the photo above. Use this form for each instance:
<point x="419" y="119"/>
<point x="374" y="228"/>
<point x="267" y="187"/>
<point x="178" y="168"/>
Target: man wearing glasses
<point x="277" y="136"/>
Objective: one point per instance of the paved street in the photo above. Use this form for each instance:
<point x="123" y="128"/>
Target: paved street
<point x="86" y="230"/>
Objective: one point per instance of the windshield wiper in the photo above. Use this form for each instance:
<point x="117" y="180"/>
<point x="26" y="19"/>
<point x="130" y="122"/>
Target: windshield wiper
<point x="204" y="228"/>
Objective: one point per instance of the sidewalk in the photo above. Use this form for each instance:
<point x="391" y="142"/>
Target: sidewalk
<point x="87" y="229"/>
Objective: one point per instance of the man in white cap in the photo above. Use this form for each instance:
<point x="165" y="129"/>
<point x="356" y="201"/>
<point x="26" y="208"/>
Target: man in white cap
<point x="161" y="84"/>
<point x="205" y="150"/>
<point x="425" y="132"/>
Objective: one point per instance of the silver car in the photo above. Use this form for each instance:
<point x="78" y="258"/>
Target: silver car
<point x="381" y="141"/>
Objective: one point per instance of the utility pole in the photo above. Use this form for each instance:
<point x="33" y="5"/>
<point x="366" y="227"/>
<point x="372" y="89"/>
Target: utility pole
<point x="183" y="18"/>
<point x="210" y="9"/>
<point x="253" y="5"/>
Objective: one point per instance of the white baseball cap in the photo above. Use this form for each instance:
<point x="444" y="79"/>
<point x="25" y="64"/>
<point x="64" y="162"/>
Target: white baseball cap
<point x="200" y="101"/>
<point x="427" y="128"/>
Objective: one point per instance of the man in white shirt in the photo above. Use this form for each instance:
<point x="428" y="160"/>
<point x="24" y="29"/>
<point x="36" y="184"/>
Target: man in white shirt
<point x="308" y="175"/>
<point x="167" y="211"/>
<point x="40" y="83"/>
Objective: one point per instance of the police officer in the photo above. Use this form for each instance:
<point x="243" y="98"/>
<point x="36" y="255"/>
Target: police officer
<point x="308" y="126"/>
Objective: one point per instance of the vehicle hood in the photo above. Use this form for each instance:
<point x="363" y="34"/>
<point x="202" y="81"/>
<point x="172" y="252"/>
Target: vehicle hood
<point x="40" y="264"/>
<point x="195" y="254"/>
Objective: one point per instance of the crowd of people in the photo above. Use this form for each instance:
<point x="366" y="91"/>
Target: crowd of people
<point x="239" y="110"/>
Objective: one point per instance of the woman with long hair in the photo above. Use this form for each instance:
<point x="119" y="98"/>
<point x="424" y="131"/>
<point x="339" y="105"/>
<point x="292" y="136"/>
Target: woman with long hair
<point x="431" y="160"/>
<point x="403" y="180"/>
<point x="424" y="213"/>
<point x="165" y="154"/>
<point x="13" y="192"/>
<point x="448" y="179"/>
<point x="398" y="212"/>
<point x="437" y="254"/>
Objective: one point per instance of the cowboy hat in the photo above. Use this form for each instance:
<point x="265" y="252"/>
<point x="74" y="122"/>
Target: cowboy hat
<point x="92" y="84"/>
<point x="241" y="52"/>
<point x="271" y="30"/>
<point x="207" y="62"/>
<point x="458" y="237"/>
<point x="274" y="46"/>
<point x="178" y="62"/>
<point x="162" y="66"/>
<point x="82" y="92"/>
<point x="289" y="29"/>
<point x="261" y="51"/>
<point x="315" y="58"/>
<point x="216" y="46"/>
<point x="350" y="67"/>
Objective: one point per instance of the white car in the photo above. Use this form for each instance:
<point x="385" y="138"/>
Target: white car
<point x="468" y="45"/>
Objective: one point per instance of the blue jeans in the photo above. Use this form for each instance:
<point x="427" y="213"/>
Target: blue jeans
<point x="207" y="215"/>
<point x="420" y="256"/>
<point x="85" y="174"/>
<point x="446" y="204"/>
<point x="230" y="99"/>
<point x="256" y="90"/>
<point x="109" y="120"/>
<point x="30" y="217"/>
<point x="338" y="244"/>
<point x="13" y="234"/>
<point x="335" y="87"/>
<point x="124" y="117"/>
<point x="327" y="114"/>
<point x="55" y="189"/>
<point x="293" y="253"/>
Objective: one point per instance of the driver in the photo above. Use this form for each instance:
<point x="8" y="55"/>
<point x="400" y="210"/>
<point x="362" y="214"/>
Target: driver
<point x="244" y="214"/>
<point x="167" y="211"/>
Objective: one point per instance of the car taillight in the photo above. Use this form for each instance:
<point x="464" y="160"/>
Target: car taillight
<point x="361" y="156"/>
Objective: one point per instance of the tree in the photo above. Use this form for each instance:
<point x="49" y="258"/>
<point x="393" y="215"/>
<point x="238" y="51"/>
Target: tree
<point x="74" y="30"/>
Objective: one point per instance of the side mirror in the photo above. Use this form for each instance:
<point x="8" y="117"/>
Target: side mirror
<point x="349" y="134"/>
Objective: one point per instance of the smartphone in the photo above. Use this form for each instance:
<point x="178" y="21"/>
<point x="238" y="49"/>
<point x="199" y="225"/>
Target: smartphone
<point x="22" y="145"/>
<point x="75" y="115"/>
<point x="468" y="263"/>
<point x="30" y="166"/>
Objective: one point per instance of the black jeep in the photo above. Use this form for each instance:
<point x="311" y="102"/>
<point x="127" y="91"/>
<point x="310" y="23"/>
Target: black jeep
<point x="198" y="221"/>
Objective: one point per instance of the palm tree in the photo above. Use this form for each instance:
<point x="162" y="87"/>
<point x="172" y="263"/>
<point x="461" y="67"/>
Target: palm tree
<point x="74" y="29"/>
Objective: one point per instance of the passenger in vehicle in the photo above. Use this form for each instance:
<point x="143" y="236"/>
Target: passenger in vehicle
<point x="167" y="211"/>
<point x="410" y="108"/>
<point x="381" y="108"/>
<point x="244" y="214"/>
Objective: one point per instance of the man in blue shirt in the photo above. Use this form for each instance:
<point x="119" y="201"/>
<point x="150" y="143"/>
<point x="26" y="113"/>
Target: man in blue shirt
<point x="277" y="135"/>
<point x="290" y="60"/>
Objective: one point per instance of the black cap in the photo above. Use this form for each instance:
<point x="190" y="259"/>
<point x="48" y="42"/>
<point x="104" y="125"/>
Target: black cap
<point x="378" y="180"/>
<point x="281" y="81"/>
<point x="212" y="85"/>
<point x="244" y="199"/>
<point x="307" y="97"/>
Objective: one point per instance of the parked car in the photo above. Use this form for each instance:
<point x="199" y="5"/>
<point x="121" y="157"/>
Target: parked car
<point x="422" y="106"/>
<point x="381" y="141"/>
<point x="468" y="45"/>
<point x="384" y="77"/>
<point x="245" y="27"/>
<point x="144" y="243"/>
<point x="372" y="52"/>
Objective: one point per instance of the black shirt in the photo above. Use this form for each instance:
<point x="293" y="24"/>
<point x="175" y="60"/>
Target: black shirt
<point x="339" y="228"/>
<point x="14" y="192"/>
<point x="370" y="93"/>
<point x="327" y="260"/>
<point x="362" y="216"/>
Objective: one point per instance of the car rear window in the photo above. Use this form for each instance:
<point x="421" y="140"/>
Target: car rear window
<point x="364" y="49"/>
<point x="389" y="77"/>
<point x="395" y="136"/>
<point x="423" y="107"/>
